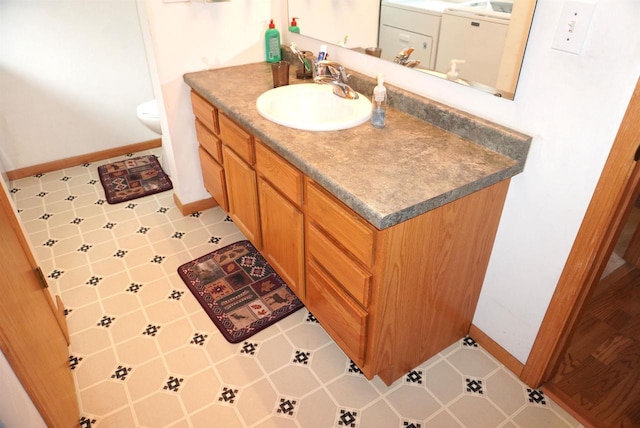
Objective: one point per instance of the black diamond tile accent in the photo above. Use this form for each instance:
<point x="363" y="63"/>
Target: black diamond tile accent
<point x="173" y="384"/>
<point x="106" y="321"/>
<point x="14" y="190"/>
<point x="92" y="182"/>
<point x="67" y="311"/>
<point x="157" y="259"/>
<point x="474" y="386"/>
<point x="468" y="341"/>
<point x="76" y="220"/>
<point x="65" y="178"/>
<point x="55" y="274"/>
<point x="163" y="210"/>
<point x="249" y="348"/>
<point x="410" y="424"/>
<point x="100" y="202"/>
<point x="151" y="330"/>
<point x="86" y="164"/>
<point x="131" y="206"/>
<point x="228" y="395"/>
<point x="71" y="198"/>
<point x="415" y="376"/>
<point x="348" y="418"/>
<point x="50" y="243"/>
<point x="198" y="339"/>
<point x="228" y="219"/>
<point x="46" y="216"/>
<point x="134" y="288"/>
<point x="311" y="318"/>
<point x="87" y="423"/>
<point x="42" y="194"/>
<point x="121" y="373"/>
<point x="109" y="225"/>
<point x="536" y="396"/>
<point x="120" y="253"/>
<point x="178" y="235"/>
<point x="74" y="361"/>
<point x="353" y="368"/>
<point x="94" y="280"/>
<point x="84" y="248"/>
<point x="215" y="239"/>
<point x="287" y="406"/>
<point x="196" y="214"/>
<point x="301" y="357"/>
<point x="39" y="175"/>
<point x="129" y="155"/>
<point x="143" y="230"/>
<point x="176" y="295"/>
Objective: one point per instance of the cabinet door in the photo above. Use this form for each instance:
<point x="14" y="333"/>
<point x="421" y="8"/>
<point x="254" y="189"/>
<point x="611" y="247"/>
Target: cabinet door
<point x="213" y="177"/>
<point x="283" y="234"/>
<point x="242" y="193"/>
<point x="30" y="337"/>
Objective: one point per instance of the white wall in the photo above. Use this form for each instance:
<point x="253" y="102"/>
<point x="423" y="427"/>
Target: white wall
<point x="572" y="105"/>
<point x="16" y="407"/>
<point x="71" y="76"/>
<point x="192" y="37"/>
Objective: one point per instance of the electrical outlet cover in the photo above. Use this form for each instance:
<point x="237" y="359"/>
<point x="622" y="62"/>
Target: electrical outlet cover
<point x="573" y="26"/>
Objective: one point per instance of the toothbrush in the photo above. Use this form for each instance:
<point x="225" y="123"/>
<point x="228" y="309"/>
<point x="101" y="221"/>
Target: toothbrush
<point x="301" y="57"/>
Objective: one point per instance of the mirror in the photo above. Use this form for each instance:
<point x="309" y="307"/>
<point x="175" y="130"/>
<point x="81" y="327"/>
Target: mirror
<point x="483" y="41"/>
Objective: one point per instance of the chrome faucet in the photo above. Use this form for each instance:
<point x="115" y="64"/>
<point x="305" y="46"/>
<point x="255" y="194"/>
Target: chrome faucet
<point x="333" y="73"/>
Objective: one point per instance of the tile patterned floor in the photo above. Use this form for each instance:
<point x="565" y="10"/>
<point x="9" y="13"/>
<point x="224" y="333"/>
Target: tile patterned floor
<point x="144" y="354"/>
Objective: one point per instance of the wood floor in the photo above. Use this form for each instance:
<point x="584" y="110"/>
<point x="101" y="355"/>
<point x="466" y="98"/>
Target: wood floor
<point x="599" y="377"/>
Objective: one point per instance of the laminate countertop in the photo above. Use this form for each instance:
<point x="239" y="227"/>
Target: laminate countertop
<point x="427" y="155"/>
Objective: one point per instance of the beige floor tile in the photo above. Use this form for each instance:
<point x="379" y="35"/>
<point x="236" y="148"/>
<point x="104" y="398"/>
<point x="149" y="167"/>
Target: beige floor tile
<point x="141" y="339"/>
<point x="257" y="402"/>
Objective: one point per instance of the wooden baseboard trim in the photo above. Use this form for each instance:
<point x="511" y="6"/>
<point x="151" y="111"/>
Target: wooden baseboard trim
<point x="501" y="354"/>
<point x="79" y="160"/>
<point x="194" y="207"/>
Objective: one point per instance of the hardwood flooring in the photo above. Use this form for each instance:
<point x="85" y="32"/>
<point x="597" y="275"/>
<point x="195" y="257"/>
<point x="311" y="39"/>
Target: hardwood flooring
<point x="599" y="377"/>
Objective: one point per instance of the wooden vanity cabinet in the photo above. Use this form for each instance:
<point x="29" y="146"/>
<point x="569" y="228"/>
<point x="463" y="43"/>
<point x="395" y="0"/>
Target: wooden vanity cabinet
<point x="390" y="298"/>
<point x="210" y="150"/>
<point x="282" y="221"/>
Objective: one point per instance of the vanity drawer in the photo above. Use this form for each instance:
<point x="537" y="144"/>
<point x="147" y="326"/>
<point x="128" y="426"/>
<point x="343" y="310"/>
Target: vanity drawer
<point x="213" y="177"/>
<point x="204" y="111"/>
<point x="343" y="319"/>
<point x="355" y="280"/>
<point x="209" y="141"/>
<point x="341" y="222"/>
<point x="282" y="175"/>
<point x="238" y="139"/>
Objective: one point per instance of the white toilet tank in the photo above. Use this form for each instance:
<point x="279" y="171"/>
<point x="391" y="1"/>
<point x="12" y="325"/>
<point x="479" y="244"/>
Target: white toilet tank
<point x="148" y="114"/>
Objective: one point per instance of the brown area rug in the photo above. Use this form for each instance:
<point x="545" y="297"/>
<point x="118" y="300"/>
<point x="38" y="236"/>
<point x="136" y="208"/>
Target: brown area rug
<point x="133" y="178"/>
<point x="239" y="290"/>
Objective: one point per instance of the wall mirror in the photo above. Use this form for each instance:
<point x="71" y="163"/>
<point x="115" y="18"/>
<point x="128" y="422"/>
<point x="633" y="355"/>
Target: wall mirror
<point x="482" y="40"/>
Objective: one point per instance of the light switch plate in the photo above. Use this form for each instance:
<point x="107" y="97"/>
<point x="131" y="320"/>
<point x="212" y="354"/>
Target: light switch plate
<point x="573" y="26"/>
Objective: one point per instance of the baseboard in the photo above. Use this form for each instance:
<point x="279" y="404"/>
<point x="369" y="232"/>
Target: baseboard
<point x="501" y="354"/>
<point x="193" y="207"/>
<point x="79" y="160"/>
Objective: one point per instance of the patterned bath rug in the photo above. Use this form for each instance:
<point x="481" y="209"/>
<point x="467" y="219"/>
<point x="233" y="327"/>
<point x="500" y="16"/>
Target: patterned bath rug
<point x="239" y="290"/>
<point x="133" y="178"/>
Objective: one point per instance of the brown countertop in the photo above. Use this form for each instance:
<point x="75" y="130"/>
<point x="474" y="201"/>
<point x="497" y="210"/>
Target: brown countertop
<point x="386" y="175"/>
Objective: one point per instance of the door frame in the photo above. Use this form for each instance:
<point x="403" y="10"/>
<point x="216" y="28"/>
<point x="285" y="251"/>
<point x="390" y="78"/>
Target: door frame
<point x="597" y="236"/>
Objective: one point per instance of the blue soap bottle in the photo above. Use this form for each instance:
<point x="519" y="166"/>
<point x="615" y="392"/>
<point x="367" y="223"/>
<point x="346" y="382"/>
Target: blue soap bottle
<point x="379" y="104"/>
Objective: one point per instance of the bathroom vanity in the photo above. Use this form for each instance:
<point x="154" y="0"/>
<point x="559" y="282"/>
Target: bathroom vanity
<point x="384" y="234"/>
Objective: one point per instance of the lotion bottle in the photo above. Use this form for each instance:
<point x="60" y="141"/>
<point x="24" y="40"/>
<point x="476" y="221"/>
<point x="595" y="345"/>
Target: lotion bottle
<point x="379" y="104"/>
<point x="272" y="43"/>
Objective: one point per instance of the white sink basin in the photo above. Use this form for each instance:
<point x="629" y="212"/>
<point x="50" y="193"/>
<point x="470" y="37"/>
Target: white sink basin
<point x="312" y="107"/>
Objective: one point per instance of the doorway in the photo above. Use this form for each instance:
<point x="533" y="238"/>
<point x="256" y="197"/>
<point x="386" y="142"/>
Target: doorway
<point x="613" y="199"/>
